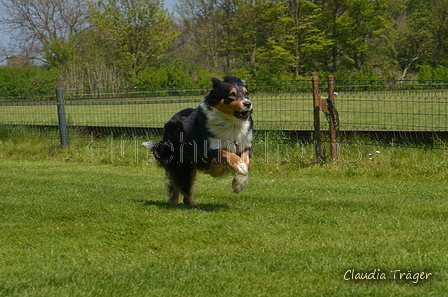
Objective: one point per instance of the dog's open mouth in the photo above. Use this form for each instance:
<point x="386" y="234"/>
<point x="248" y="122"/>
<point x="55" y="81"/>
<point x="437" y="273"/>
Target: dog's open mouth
<point x="243" y="115"/>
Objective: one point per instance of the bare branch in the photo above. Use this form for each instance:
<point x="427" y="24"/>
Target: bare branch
<point x="38" y="23"/>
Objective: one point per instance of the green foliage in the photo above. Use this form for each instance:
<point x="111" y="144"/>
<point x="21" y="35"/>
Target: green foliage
<point x="173" y="73"/>
<point x="16" y="81"/>
<point x="57" y="52"/>
<point x="368" y="73"/>
<point x="427" y="72"/>
<point x="137" y="32"/>
<point x="137" y="43"/>
<point x="312" y="38"/>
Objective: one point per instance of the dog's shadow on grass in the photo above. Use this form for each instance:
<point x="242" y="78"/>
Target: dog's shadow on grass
<point x="207" y="207"/>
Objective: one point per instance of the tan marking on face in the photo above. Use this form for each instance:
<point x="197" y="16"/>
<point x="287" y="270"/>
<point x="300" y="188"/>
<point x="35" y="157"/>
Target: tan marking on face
<point x="244" y="90"/>
<point x="236" y="105"/>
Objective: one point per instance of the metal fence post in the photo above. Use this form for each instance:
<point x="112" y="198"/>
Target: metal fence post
<point x="316" y="102"/>
<point x="63" y="133"/>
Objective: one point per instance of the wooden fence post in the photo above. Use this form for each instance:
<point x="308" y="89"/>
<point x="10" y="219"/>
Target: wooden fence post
<point x="63" y="133"/>
<point x="334" y="145"/>
<point x="316" y="102"/>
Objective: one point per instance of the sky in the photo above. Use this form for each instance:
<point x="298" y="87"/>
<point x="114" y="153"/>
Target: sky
<point x="169" y="4"/>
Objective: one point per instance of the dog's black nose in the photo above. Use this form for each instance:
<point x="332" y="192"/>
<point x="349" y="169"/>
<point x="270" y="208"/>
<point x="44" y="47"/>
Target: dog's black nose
<point x="247" y="104"/>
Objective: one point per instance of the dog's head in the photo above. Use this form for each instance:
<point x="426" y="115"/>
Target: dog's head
<point x="230" y="96"/>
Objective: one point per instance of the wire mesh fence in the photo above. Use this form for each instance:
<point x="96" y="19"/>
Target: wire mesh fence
<point x="383" y="107"/>
<point x="408" y="105"/>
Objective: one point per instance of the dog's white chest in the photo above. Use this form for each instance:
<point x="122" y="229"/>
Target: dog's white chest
<point x="233" y="138"/>
<point x="229" y="133"/>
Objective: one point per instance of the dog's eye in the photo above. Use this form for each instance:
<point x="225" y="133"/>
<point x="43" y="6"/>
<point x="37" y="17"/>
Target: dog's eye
<point x="232" y="94"/>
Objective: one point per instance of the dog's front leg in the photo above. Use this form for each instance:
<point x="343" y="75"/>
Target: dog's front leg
<point x="235" y="162"/>
<point x="246" y="159"/>
<point x="241" y="167"/>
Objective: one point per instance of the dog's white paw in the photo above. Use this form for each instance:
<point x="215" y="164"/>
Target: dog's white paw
<point x="239" y="182"/>
<point x="242" y="168"/>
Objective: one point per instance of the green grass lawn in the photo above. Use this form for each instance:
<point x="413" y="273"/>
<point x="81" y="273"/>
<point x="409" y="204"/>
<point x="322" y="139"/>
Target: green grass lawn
<point x="83" y="229"/>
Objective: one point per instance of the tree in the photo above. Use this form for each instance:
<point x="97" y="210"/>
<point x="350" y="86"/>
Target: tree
<point x="438" y="24"/>
<point x="136" y="32"/>
<point x="351" y="24"/>
<point x="44" y="30"/>
<point x="239" y="37"/>
<point x="91" y="66"/>
<point x="201" y="38"/>
<point x="310" y="40"/>
<point x="413" y="36"/>
<point x="274" y="41"/>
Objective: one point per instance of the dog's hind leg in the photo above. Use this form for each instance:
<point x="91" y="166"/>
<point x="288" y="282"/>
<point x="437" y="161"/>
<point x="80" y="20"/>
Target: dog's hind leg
<point x="189" y="189"/>
<point x="173" y="193"/>
<point x="182" y="179"/>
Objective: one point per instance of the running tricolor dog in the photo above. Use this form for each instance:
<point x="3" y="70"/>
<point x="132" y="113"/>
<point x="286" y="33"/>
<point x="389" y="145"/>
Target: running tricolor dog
<point x="215" y="137"/>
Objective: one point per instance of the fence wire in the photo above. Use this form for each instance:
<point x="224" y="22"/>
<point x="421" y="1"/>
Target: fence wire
<point x="413" y="110"/>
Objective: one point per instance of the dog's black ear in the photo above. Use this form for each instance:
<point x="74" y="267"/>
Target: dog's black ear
<point x="216" y="82"/>
<point x="219" y="91"/>
<point x="231" y="78"/>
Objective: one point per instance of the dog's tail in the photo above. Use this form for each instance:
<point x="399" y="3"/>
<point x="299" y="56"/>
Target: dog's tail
<point x="163" y="151"/>
<point x="149" y="144"/>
